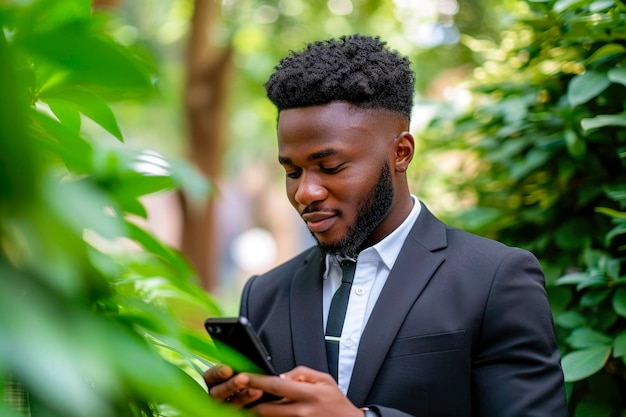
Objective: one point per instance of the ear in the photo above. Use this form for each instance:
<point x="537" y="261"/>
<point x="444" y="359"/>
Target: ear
<point x="404" y="149"/>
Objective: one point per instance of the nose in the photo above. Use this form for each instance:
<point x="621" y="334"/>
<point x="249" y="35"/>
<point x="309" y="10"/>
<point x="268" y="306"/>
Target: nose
<point x="309" y="190"/>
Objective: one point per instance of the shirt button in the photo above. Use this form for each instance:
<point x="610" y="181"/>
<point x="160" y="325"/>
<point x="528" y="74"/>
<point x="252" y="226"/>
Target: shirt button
<point x="347" y="343"/>
<point x="360" y="291"/>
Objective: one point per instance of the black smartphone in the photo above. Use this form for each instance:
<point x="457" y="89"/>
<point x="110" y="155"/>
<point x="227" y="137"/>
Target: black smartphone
<point x="235" y="338"/>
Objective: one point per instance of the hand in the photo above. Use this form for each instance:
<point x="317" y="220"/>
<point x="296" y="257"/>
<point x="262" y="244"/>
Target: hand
<point x="224" y="385"/>
<point x="305" y="393"/>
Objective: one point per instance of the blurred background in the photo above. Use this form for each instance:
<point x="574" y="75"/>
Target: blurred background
<point x="140" y="186"/>
<point x="214" y="57"/>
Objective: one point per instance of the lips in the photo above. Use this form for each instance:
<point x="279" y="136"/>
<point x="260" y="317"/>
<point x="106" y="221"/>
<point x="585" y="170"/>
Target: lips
<point x="319" y="222"/>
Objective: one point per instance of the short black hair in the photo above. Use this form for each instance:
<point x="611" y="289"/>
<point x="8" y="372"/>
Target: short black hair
<point x="358" y="69"/>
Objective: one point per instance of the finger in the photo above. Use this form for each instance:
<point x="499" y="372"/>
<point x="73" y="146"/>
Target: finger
<point x="228" y="388"/>
<point x="216" y="375"/>
<point x="244" y="397"/>
<point x="280" y="386"/>
<point x="304" y="374"/>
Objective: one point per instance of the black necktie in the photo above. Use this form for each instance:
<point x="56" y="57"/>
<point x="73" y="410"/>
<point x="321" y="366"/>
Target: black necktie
<point x="337" y="314"/>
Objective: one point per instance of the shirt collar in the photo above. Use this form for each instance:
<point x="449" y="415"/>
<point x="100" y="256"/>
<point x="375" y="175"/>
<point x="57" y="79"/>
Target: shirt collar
<point x="386" y="250"/>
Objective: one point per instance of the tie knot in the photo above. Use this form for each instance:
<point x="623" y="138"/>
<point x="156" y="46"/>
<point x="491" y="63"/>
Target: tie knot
<point x="348" y="267"/>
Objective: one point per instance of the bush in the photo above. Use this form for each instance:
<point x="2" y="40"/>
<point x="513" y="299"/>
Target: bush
<point x="97" y="316"/>
<point x="543" y="150"/>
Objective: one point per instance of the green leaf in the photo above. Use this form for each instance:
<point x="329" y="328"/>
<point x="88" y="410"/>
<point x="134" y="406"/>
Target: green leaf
<point x="88" y="104"/>
<point x="609" y="50"/>
<point x="581" y="364"/>
<point x="595" y="281"/>
<point x="613" y="233"/>
<point x="183" y="269"/>
<point x="600" y="5"/>
<point x="91" y="60"/>
<point x="594" y="258"/>
<point x="570" y="319"/>
<point x="618" y="75"/>
<point x="614" y="214"/>
<point x="535" y="158"/>
<point x="594" y="297"/>
<point x="83" y="206"/>
<point x="619" y="345"/>
<point x="585" y="337"/>
<point x="603" y="120"/>
<point x="75" y="152"/>
<point x="574" y="278"/>
<point x="619" y="301"/>
<point x="562" y="5"/>
<point x="68" y="116"/>
<point x="43" y="15"/>
<point x="616" y="193"/>
<point x="191" y="180"/>
<point x="575" y="145"/>
<point x="584" y="87"/>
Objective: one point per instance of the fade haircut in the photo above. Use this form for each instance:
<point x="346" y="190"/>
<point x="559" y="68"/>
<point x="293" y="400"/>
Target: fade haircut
<point x="357" y="69"/>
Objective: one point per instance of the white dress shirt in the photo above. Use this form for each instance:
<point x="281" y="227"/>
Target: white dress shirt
<point x="372" y="269"/>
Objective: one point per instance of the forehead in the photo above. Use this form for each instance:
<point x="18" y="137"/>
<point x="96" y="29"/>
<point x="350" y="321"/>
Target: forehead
<point x="335" y="124"/>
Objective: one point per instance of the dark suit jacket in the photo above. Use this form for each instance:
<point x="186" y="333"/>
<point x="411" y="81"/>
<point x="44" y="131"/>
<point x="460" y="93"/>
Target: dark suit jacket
<point x="462" y="328"/>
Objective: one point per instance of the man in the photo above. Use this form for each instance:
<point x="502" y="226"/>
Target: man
<point x="439" y="322"/>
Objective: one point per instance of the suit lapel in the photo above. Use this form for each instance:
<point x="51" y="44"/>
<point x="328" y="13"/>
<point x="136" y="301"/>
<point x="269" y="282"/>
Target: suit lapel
<point x="306" y="314"/>
<point x="417" y="261"/>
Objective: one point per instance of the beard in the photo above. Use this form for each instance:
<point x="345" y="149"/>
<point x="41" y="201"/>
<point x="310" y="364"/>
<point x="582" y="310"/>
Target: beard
<point x="370" y="213"/>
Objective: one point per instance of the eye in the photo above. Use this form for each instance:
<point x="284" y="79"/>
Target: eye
<point x="294" y="173"/>
<point x="330" y="170"/>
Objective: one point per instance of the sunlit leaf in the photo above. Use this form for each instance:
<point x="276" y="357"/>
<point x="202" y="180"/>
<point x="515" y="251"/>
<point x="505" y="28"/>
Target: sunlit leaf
<point x="615" y="214"/>
<point x="73" y="149"/>
<point x="603" y="120"/>
<point x="68" y="116"/>
<point x="561" y="5"/>
<point x="599" y="5"/>
<point x="92" y="60"/>
<point x="609" y="50"/>
<point x="580" y="364"/>
<point x="43" y="15"/>
<point x="88" y="104"/>
<point x="586" y="86"/>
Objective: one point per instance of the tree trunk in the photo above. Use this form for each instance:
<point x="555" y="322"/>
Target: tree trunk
<point x="208" y="72"/>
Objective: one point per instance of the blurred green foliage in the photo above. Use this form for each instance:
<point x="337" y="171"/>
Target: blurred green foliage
<point x="537" y="147"/>
<point x="97" y="316"/>
<point x="263" y="32"/>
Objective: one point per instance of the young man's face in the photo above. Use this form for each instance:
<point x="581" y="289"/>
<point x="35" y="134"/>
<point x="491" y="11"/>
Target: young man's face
<point x="340" y="172"/>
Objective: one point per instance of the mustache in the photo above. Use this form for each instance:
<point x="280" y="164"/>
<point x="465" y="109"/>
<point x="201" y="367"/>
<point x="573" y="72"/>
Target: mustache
<point x="318" y="209"/>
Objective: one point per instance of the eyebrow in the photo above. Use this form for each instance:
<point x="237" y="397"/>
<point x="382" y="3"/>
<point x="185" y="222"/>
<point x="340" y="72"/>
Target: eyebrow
<point x="313" y="157"/>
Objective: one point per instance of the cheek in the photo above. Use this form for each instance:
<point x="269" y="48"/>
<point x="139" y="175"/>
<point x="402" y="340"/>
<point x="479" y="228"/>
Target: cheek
<point x="290" y="189"/>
